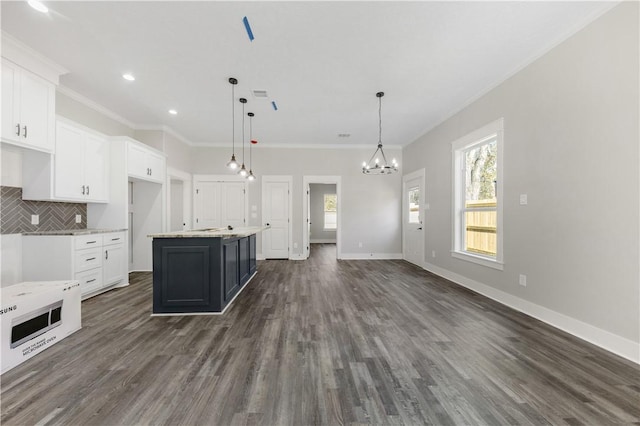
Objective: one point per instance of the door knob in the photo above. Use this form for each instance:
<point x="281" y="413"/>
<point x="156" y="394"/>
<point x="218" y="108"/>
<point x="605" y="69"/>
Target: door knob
<point x="267" y="224"/>
<point x="420" y="229"/>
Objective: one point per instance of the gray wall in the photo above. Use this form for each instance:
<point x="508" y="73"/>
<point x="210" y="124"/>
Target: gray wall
<point x="570" y="143"/>
<point x="82" y="114"/>
<point x="369" y="203"/>
<point x="316" y="212"/>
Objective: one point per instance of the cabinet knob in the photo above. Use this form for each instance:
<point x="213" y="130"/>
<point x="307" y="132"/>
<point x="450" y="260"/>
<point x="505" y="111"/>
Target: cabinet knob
<point x="83" y="190"/>
<point x="18" y="129"/>
<point x="106" y="254"/>
<point x="25" y="131"/>
<point x="87" y="189"/>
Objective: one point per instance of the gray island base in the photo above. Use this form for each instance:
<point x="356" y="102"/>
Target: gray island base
<point x="201" y="271"/>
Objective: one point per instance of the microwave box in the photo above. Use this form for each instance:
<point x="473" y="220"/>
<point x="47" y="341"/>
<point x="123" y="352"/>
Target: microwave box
<point x="34" y="316"/>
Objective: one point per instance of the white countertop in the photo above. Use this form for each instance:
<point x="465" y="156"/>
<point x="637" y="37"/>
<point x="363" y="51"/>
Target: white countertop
<point x="212" y="232"/>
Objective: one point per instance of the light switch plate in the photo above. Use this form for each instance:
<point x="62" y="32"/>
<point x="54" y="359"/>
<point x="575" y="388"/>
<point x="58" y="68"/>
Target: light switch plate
<point x="523" y="199"/>
<point x="35" y="219"/>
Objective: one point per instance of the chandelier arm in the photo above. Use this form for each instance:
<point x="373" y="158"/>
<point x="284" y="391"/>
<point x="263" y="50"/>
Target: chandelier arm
<point x="372" y="157"/>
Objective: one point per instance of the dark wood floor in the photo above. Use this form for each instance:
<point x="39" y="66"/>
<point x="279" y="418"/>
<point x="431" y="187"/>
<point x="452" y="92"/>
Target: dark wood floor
<point x="321" y="342"/>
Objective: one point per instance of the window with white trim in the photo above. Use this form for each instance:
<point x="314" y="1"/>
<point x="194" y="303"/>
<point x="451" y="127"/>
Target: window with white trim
<point x="330" y="212"/>
<point x="477" y="209"/>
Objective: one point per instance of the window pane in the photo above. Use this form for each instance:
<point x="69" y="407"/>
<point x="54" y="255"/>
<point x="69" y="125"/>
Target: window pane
<point x="481" y="175"/>
<point x="480" y="228"/>
<point x="414" y="205"/>
<point x="330" y="202"/>
<point x="330" y="220"/>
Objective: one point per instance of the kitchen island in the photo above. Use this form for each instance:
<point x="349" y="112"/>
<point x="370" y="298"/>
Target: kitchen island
<point x="201" y="271"/>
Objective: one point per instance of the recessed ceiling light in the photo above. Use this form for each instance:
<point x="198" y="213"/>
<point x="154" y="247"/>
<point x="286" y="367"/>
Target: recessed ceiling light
<point x="173" y="112"/>
<point x="38" y="6"/>
<point x="128" y="77"/>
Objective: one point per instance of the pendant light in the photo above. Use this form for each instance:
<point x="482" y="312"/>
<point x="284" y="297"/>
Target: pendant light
<point x="233" y="164"/>
<point x="243" y="171"/>
<point x="251" y="142"/>
<point x="374" y="166"/>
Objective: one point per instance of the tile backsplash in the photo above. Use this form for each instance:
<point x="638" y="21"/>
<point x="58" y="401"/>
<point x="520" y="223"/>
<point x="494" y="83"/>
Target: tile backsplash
<point x="15" y="213"/>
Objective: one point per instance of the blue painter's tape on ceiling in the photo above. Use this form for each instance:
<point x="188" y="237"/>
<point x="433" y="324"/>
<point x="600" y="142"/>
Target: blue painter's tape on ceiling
<point x="248" y="28"/>
<point x="273" y="104"/>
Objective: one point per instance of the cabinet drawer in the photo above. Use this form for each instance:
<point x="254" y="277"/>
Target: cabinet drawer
<point x="90" y="281"/>
<point x="87" y="241"/>
<point x="113" y="238"/>
<point x="88" y="259"/>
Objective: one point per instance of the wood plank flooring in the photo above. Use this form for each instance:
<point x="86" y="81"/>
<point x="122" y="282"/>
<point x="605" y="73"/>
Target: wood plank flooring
<point x="321" y="342"/>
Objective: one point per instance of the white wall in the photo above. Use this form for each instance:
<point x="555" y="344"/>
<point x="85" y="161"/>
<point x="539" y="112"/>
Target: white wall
<point x="371" y="208"/>
<point x="316" y="213"/>
<point x="90" y="117"/>
<point x="176" y="207"/>
<point x="570" y="143"/>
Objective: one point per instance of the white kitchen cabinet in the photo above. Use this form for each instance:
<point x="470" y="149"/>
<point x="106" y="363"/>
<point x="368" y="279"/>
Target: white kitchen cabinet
<point x="114" y="260"/>
<point x="76" y="172"/>
<point x="28" y="108"/>
<point x="80" y="164"/>
<point x="97" y="261"/>
<point x="145" y="164"/>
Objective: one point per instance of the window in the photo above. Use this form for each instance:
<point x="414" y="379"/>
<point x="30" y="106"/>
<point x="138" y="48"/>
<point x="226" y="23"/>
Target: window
<point x="414" y="205"/>
<point x="477" y="168"/>
<point x="330" y="212"/>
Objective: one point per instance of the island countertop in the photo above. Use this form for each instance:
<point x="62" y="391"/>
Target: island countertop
<point x="212" y="232"/>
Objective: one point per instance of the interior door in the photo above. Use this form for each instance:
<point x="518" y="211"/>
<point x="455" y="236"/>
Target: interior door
<point x="232" y="207"/>
<point x="208" y="205"/>
<point x="276" y="215"/>
<point x="413" y="232"/>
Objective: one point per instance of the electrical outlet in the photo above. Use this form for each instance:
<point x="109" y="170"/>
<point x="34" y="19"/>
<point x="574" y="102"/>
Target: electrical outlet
<point x="523" y="280"/>
<point x="360" y="244"/>
<point x="78" y="218"/>
<point x="35" y="219"/>
<point x="433" y="253"/>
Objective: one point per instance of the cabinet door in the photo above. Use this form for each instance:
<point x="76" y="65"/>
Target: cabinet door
<point x="36" y="111"/>
<point x="9" y="101"/>
<point x="113" y="264"/>
<point x="137" y="161"/>
<point x="68" y="162"/>
<point x="95" y="168"/>
<point x="155" y="163"/>
<point x="90" y="281"/>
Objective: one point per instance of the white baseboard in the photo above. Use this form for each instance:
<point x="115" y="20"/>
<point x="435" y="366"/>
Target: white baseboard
<point x="297" y="257"/>
<point x="606" y="340"/>
<point x="370" y="256"/>
<point x="329" y="241"/>
<point x="260" y="257"/>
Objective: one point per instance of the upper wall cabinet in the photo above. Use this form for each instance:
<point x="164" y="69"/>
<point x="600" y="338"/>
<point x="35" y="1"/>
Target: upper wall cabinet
<point x="80" y="164"/>
<point x="144" y="163"/>
<point x="28" y="108"/>
<point x="77" y="172"/>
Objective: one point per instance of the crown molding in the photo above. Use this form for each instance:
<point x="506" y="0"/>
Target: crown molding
<point x="95" y="106"/>
<point x="21" y="54"/>
<point x="166" y="129"/>
<point x="301" y="146"/>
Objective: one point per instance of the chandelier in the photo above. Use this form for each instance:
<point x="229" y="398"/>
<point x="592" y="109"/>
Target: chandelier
<point x="378" y="165"/>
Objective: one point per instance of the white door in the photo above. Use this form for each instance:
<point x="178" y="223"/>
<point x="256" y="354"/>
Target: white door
<point x="113" y="264"/>
<point x="413" y="232"/>
<point x="276" y="215"/>
<point x="9" y="101"/>
<point x="208" y="205"/>
<point x="232" y="205"/>
<point x="34" y="110"/>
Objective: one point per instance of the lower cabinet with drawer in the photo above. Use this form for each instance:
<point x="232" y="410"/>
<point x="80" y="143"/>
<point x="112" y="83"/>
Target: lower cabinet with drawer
<point x="97" y="261"/>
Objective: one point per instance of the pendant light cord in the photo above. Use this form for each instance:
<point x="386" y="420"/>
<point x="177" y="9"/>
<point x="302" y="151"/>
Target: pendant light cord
<point x="233" y="119"/>
<point x="243" y="135"/>
<point x="250" y="140"/>
<point x="380" y="120"/>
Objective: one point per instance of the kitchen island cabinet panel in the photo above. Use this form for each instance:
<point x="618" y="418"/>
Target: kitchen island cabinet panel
<point x="201" y="274"/>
